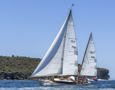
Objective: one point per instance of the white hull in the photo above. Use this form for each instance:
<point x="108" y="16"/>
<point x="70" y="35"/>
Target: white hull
<point x="64" y="81"/>
<point x="67" y="81"/>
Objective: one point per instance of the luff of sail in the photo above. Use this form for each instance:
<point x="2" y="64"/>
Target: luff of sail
<point x="89" y="60"/>
<point x="55" y="62"/>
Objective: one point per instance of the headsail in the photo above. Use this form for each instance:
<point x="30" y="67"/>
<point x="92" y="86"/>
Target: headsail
<point x="70" y="63"/>
<point x="89" y="60"/>
<point x="55" y="62"/>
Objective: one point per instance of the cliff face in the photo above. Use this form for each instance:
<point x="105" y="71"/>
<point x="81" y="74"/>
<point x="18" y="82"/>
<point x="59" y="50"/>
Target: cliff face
<point x="103" y="73"/>
<point x="22" y="67"/>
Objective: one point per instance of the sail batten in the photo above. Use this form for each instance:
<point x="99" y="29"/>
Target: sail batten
<point x="89" y="60"/>
<point x="55" y="62"/>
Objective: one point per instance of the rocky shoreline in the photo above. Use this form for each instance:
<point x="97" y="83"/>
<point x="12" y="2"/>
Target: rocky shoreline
<point x="13" y="76"/>
<point x="20" y="68"/>
<point x="101" y="74"/>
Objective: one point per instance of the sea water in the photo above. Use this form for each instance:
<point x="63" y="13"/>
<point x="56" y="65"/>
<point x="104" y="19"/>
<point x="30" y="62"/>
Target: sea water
<point x="37" y="85"/>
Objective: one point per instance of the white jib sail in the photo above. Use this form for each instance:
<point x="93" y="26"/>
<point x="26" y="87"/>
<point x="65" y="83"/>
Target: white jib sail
<point x="89" y="60"/>
<point x="70" y="61"/>
<point x="52" y="62"/>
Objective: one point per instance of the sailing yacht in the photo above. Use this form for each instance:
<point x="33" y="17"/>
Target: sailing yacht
<point x="61" y="57"/>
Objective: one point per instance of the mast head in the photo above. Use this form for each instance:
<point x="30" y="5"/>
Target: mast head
<point x="70" y="13"/>
<point x="91" y="35"/>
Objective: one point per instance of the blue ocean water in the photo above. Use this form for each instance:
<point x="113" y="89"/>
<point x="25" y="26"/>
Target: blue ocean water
<point x="36" y="85"/>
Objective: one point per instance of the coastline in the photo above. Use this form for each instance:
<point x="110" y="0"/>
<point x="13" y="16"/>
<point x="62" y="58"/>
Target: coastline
<point x="20" y="68"/>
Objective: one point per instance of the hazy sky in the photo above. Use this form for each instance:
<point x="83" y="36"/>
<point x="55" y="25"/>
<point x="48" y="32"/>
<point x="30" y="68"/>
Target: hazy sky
<point x="28" y="27"/>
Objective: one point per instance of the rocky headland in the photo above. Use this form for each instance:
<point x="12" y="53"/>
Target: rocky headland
<point x="20" y="68"/>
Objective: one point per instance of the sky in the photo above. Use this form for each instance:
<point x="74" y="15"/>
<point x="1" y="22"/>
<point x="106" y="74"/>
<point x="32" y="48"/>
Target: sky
<point x="28" y="27"/>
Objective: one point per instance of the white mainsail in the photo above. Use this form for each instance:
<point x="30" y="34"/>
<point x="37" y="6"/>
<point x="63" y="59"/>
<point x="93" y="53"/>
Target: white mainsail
<point x="70" y="64"/>
<point x="61" y="57"/>
<point x="89" y="60"/>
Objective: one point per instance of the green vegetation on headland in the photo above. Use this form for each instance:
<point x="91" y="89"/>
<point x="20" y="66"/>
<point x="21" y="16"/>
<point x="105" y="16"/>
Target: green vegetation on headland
<point x="17" y="67"/>
<point x="22" y="67"/>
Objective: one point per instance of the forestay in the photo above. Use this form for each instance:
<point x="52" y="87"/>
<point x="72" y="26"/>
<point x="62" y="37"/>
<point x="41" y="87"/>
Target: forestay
<point x="89" y="60"/>
<point x="61" y="57"/>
